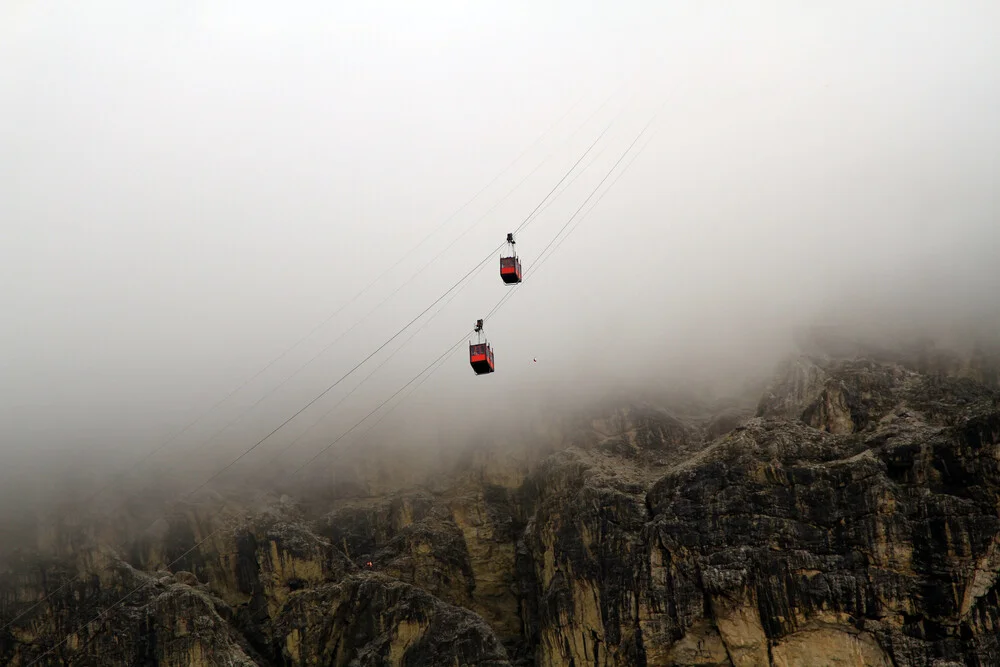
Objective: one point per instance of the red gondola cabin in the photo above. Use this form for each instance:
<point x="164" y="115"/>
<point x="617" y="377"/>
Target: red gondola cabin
<point x="510" y="266"/>
<point x="510" y="270"/>
<point x="481" y="358"/>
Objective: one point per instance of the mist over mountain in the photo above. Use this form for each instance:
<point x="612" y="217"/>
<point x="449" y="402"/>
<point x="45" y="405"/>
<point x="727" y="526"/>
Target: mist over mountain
<point x="745" y="402"/>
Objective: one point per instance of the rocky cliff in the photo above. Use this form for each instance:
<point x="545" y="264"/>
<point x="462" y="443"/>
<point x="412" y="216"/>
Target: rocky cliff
<point x="851" y="517"/>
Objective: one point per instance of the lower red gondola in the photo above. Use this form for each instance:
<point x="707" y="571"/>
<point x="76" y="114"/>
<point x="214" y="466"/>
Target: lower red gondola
<point x="481" y="358"/>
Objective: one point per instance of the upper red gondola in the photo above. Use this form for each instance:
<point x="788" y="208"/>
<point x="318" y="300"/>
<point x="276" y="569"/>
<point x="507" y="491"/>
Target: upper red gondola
<point x="510" y="266"/>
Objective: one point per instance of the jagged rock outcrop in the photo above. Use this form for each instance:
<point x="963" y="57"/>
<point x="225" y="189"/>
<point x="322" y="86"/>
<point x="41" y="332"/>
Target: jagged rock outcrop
<point x="881" y="536"/>
<point x="375" y="620"/>
<point x="850" y="519"/>
<point x="165" y="620"/>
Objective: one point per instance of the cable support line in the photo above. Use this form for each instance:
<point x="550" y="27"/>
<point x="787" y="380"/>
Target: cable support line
<point x="598" y="200"/>
<point x="573" y="180"/>
<point x="414" y="390"/>
<point x="541" y="259"/>
<point x="345" y="396"/>
<point x="383" y="403"/>
<point x="426" y="377"/>
<point x="345" y="375"/>
<point x="590" y="148"/>
<point x="375" y="370"/>
<point x="531" y="215"/>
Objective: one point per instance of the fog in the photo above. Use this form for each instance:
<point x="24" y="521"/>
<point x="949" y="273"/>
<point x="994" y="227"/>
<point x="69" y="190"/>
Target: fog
<point x="189" y="189"/>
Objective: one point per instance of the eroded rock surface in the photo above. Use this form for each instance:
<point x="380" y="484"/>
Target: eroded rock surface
<point x="851" y="518"/>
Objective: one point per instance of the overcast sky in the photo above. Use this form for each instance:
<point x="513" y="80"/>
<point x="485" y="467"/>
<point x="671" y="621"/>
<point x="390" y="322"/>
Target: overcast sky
<point x="187" y="189"/>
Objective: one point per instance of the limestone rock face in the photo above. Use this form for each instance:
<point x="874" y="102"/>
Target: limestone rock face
<point x="851" y="519"/>
<point x="374" y="620"/>
<point x="165" y="622"/>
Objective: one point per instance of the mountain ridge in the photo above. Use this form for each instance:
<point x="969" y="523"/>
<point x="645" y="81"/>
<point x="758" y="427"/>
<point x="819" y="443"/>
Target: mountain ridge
<point x="848" y="516"/>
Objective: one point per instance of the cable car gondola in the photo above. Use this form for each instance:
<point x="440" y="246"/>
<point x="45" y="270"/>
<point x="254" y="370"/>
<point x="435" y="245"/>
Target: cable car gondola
<point x="480" y="352"/>
<point x="510" y="267"/>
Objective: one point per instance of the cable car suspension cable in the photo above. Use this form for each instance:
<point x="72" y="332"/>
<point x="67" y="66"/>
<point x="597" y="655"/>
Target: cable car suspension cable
<point x="598" y="201"/>
<point x="599" y="137"/>
<point x="367" y="377"/>
<point x="342" y="377"/>
<point x="606" y="176"/>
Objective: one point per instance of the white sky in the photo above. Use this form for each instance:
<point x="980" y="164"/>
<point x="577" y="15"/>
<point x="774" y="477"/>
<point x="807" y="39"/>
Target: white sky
<point x="188" y="188"/>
